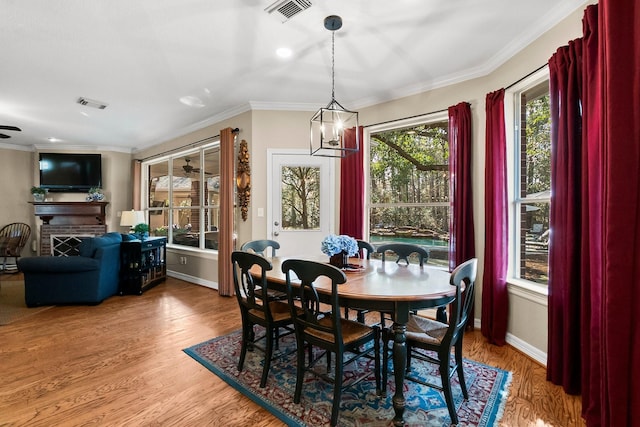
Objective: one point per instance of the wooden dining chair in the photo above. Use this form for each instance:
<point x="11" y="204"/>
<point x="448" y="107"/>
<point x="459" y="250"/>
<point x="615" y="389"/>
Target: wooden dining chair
<point x="404" y="251"/>
<point x="365" y="249"/>
<point x="260" y="246"/>
<point x="257" y="308"/>
<point x="432" y="341"/>
<point x="347" y="339"/>
<point x="13" y="238"/>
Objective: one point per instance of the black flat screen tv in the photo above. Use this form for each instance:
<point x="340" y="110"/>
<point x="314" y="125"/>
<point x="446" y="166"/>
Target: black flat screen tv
<point x="72" y="173"/>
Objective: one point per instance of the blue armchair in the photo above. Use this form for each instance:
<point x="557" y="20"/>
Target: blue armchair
<point x="88" y="278"/>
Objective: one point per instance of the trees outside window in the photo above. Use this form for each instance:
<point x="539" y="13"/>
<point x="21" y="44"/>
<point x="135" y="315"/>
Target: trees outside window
<point x="532" y="185"/>
<point x="409" y="187"/>
<point x="300" y="198"/>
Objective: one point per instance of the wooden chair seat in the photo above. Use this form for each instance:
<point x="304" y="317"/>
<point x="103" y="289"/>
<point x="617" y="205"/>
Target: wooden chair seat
<point x="352" y="331"/>
<point x="279" y="311"/>
<point x="426" y="330"/>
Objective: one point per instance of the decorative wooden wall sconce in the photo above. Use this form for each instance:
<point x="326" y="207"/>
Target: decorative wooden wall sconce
<point x="243" y="179"/>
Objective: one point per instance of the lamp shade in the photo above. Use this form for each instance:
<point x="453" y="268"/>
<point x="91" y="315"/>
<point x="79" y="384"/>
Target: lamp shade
<point x="131" y="218"/>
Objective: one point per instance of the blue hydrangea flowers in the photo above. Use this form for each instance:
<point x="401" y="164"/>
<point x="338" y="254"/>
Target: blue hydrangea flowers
<point x="332" y="245"/>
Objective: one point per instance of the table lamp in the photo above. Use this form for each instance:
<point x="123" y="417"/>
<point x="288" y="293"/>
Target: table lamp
<point x="131" y="218"/>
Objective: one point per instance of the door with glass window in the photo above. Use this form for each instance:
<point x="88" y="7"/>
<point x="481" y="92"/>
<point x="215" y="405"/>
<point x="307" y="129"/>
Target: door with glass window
<point x="301" y="207"/>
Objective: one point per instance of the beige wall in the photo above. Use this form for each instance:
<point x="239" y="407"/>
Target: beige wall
<point x="16" y="180"/>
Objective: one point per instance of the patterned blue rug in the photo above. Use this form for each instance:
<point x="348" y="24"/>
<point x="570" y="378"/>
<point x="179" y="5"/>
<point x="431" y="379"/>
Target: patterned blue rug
<point x="487" y="386"/>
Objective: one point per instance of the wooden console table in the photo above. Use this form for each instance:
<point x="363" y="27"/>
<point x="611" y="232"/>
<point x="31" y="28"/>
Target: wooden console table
<point x="89" y="213"/>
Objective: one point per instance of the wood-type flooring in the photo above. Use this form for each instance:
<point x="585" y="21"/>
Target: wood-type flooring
<point x="121" y="363"/>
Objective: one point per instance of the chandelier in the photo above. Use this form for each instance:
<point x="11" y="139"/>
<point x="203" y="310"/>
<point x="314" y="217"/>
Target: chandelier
<point x="329" y="124"/>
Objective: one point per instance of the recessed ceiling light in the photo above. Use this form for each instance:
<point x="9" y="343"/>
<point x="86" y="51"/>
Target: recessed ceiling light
<point x="52" y="139"/>
<point x="84" y="113"/>
<point x="192" y="101"/>
<point x="284" y="52"/>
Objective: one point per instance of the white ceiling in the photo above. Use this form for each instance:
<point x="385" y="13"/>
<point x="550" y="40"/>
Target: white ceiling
<point x="142" y="56"/>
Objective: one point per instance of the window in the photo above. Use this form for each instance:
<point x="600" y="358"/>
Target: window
<point x="183" y="197"/>
<point x="532" y="183"/>
<point x="409" y="185"/>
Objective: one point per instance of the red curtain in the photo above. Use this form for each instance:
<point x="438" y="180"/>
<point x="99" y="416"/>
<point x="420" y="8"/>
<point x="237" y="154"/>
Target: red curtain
<point x="352" y="188"/>
<point x="462" y="238"/>
<point x="495" y="302"/>
<point x="619" y="303"/>
<point x="600" y="156"/>
<point x="592" y="185"/>
<point x="565" y="278"/>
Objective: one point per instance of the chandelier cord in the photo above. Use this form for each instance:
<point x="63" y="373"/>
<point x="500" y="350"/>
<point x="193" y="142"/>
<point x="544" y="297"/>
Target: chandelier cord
<point x="333" y="65"/>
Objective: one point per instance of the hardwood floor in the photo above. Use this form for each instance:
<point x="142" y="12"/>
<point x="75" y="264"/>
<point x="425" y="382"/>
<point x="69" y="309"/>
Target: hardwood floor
<point x="121" y="363"/>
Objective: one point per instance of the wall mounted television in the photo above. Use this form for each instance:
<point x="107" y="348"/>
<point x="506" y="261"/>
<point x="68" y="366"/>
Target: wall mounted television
<point x="70" y="172"/>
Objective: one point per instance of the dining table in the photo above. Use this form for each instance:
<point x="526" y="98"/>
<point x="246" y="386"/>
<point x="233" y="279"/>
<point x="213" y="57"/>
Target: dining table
<point x="395" y="288"/>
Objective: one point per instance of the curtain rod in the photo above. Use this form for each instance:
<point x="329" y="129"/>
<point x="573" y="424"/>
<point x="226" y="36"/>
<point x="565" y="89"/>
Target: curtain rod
<point x="528" y="75"/>
<point x="406" y="118"/>
<point x="189" y="145"/>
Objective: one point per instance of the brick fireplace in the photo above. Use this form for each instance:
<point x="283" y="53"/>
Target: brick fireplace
<point x="62" y="220"/>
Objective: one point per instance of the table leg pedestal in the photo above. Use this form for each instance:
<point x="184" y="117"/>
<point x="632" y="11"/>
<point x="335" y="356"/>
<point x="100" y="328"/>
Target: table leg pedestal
<point x="399" y="368"/>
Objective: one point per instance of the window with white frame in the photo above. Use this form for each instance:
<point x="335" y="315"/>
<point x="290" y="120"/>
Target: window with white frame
<point x="182" y="197"/>
<point x="531" y="181"/>
<point x="408" y="188"/>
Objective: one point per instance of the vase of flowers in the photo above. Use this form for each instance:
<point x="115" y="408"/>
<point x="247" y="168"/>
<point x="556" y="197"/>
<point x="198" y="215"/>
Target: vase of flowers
<point x="95" y="195"/>
<point x="339" y="248"/>
<point x="38" y="193"/>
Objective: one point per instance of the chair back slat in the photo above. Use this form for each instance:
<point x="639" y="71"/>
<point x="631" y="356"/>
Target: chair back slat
<point x="260" y="247"/>
<point x="250" y="292"/>
<point x="365" y="249"/>
<point x="464" y="274"/>
<point x="307" y="273"/>
<point x="14" y="237"/>
<point x="404" y="250"/>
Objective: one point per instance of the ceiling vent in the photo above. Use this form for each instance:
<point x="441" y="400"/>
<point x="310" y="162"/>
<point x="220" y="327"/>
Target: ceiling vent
<point x="287" y="9"/>
<point x="92" y="103"/>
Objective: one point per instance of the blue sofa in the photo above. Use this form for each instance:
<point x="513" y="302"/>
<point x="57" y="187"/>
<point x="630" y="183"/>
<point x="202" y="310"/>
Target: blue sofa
<point x="88" y="278"/>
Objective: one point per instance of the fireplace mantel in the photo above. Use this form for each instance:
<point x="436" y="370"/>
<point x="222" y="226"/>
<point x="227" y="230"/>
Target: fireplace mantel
<point x="87" y="213"/>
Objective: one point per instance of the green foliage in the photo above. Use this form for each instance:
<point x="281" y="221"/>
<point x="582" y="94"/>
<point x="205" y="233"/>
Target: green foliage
<point x="38" y="190"/>
<point x="410" y="167"/>
<point x="141" y="228"/>
<point x="301" y="197"/>
<point x="538" y="145"/>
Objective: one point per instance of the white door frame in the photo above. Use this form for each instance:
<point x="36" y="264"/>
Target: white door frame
<point x="324" y="186"/>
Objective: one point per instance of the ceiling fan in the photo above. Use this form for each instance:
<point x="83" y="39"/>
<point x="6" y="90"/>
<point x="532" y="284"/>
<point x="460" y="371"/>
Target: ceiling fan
<point x="188" y="168"/>
<point x="3" y="127"/>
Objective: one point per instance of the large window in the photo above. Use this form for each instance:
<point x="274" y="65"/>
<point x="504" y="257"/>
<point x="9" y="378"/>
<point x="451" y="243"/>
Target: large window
<point x="409" y="186"/>
<point x="532" y="186"/>
<point x="183" y="197"/>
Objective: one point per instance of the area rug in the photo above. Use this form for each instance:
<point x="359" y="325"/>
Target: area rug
<point x="487" y="386"/>
<point x="12" y="305"/>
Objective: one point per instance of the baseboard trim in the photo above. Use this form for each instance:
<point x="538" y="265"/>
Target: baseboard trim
<point x="193" y="279"/>
<point x="520" y="345"/>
